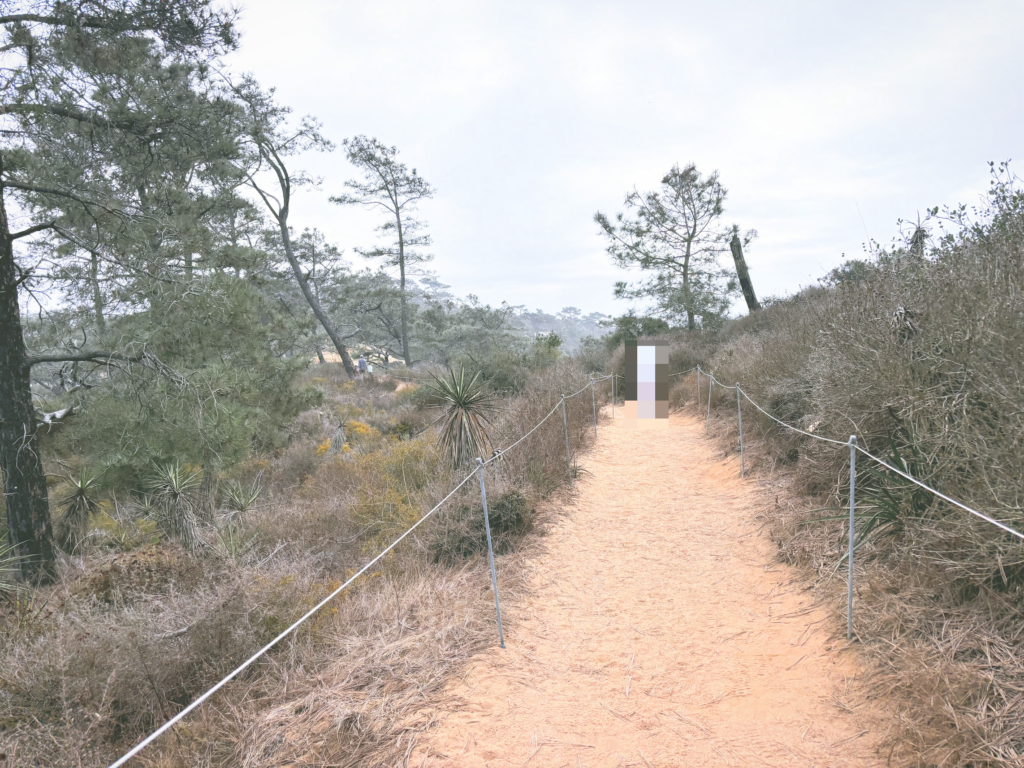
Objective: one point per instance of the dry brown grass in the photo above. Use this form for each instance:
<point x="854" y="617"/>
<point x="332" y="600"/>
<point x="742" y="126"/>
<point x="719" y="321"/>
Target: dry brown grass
<point x="938" y="601"/>
<point x="124" y="641"/>
<point x="541" y="459"/>
<point x="361" y="694"/>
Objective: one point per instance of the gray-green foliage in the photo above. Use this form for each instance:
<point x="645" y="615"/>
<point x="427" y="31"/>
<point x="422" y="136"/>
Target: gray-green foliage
<point x="675" y="236"/>
<point x="460" y="532"/>
<point x="450" y="332"/>
<point x="112" y="150"/>
<point x="208" y="388"/>
<point x="494" y="341"/>
<point x="270" y="141"/>
<point x="571" y="325"/>
<point x="368" y="300"/>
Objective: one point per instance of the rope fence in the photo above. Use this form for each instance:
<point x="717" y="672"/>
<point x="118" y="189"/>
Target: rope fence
<point x="854" y="448"/>
<point x="478" y="472"/>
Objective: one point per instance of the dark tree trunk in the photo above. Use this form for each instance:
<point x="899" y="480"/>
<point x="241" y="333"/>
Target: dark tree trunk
<point x="741" y="270"/>
<point x="405" y="321"/>
<point x="336" y="339"/>
<point x="691" y="321"/>
<point x="401" y="288"/>
<point x="97" y="294"/>
<point x="24" y="482"/>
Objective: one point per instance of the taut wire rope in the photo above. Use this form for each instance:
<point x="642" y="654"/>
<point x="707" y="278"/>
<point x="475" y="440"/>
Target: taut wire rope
<point x="248" y="662"/>
<point x="252" y="659"/>
<point x="882" y="462"/>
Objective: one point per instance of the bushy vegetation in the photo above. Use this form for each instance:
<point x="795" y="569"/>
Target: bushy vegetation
<point x="180" y="297"/>
<point x="209" y="483"/>
<point x="169" y="589"/>
<point x="919" y="352"/>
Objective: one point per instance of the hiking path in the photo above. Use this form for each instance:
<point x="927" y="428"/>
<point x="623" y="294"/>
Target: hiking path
<point x="659" y="630"/>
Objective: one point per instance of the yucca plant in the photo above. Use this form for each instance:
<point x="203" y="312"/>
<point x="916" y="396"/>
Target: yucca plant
<point x="10" y="571"/>
<point x="148" y="507"/>
<point x="238" y="499"/>
<point x="576" y="471"/>
<point x="233" y="541"/>
<point x="172" y="488"/>
<point x="884" y="499"/>
<point x="466" y="405"/>
<point x="79" y="505"/>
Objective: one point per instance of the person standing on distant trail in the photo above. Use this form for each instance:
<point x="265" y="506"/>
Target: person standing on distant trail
<point x="362" y="366"/>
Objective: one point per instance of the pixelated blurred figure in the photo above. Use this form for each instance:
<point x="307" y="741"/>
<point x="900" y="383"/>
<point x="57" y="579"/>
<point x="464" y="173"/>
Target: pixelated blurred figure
<point x="646" y="383"/>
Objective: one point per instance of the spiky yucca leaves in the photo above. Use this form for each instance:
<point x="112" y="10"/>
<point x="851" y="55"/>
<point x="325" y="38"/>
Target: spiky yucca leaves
<point x="885" y="501"/>
<point x="238" y="499"/>
<point x="463" y="435"/>
<point x="79" y="504"/>
<point x="10" y="571"/>
<point x="173" y="488"/>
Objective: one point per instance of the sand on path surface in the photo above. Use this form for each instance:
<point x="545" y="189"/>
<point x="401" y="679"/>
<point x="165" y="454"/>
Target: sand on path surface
<point x="659" y="631"/>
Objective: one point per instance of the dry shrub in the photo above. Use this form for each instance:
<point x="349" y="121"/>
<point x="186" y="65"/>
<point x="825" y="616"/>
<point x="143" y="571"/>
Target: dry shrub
<point x="142" y="573"/>
<point x="403" y="421"/>
<point x="298" y="462"/>
<point x="118" y="671"/>
<point x="394" y="488"/>
<point x="328" y="376"/>
<point x="361" y="696"/>
<point x="364" y="438"/>
<point x="310" y="426"/>
<point x="540" y="460"/>
<point x="134" y="638"/>
<point x="922" y="357"/>
<point x="394" y="644"/>
<point x="683" y="390"/>
<point x="690" y="350"/>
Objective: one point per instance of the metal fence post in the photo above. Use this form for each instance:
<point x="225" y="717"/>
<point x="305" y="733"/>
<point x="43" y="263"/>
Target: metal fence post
<point x="593" y="402"/>
<point x="739" y="413"/>
<point x="698" y="385"/>
<point x="707" y="423"/>
<point x="568" y="454"/>
<point x="852" y="536"/>
<point x="613" y="395"/>
<point x="490" y="550"/>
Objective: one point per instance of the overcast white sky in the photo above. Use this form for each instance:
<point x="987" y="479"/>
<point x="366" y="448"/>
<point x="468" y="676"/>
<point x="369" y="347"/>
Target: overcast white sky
<point x="826" y="120"/>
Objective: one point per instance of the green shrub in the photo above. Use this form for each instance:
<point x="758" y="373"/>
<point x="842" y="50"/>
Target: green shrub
<point x="460" y="531"/>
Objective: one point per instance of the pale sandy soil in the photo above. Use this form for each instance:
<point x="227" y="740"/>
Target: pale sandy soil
<point x="659" y="632"/>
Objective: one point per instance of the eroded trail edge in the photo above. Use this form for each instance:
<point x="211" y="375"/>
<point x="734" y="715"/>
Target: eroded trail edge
<point x="659" y="632"/>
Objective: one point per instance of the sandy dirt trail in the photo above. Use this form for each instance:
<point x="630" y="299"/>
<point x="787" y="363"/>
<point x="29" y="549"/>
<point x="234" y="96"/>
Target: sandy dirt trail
<point x="659" y="632"/>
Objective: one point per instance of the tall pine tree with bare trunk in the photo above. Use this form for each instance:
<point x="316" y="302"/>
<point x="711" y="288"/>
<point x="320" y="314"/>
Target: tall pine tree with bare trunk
<point x="674" y="235"/>
<point x="391" y="187"/>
